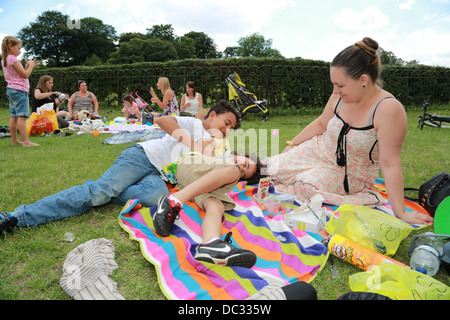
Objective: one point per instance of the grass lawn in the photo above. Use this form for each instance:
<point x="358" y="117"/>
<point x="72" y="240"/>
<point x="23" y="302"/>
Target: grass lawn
<point x="31" y="259"/>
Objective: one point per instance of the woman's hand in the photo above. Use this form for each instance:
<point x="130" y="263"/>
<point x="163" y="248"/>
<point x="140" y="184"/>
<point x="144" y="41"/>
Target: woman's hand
<point x="415" y="218"/>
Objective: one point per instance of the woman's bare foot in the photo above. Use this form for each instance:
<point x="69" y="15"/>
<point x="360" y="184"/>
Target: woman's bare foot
<point x="16" y="143"/>
<point x="30" y="144"/>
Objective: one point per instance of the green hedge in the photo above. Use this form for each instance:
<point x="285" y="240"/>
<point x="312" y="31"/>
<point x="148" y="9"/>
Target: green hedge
<point x="285" y="83"/>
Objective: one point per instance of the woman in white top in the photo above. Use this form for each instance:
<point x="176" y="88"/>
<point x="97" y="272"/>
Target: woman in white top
<point x="191" y="102"/>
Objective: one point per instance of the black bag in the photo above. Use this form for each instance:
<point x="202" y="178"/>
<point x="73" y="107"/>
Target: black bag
<point x="147" y="117"/>
<point x="433" y="191"/>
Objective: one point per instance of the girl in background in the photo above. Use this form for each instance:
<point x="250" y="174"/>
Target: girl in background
<point x="130" y="109"/>
<point x="17" y="89"/>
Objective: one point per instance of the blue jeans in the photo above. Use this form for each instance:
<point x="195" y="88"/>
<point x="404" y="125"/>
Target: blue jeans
<point x="131" y="176"/>
<point x="18" y="103"/>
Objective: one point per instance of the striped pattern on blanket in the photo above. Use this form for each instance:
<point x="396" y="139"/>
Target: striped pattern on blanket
<point x="284" y="256"/>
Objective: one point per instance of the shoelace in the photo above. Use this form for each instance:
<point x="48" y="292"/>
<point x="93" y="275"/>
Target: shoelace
<point x="228" y="238"/>
<point x="341" y="152"/>
<point x="173" y="213"/>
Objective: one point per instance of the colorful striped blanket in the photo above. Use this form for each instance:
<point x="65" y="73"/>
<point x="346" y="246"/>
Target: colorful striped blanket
<point x="284" y="256"/>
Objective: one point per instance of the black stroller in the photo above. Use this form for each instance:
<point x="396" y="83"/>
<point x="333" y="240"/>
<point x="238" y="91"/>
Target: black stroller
<point x="245" y="100"/>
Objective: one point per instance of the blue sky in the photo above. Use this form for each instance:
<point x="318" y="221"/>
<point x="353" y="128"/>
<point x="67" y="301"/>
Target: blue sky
<point x="411" y="29"/>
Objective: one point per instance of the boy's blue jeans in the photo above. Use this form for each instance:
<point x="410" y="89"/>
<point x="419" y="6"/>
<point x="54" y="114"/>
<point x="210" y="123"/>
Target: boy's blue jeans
<point x="131" y="176"/>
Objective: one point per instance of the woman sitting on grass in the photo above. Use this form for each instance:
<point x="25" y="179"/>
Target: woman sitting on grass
<point x="43" y="94"/>
<point x="362" y="129"/>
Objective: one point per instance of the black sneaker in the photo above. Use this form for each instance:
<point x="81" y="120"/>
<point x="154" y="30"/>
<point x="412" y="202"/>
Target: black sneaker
<point x="165" y="216"/>
<point x="7" y="222"/>
<point x="222" y="253"/>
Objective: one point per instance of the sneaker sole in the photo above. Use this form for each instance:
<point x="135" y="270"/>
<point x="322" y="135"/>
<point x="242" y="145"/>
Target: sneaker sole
<point x="245" y="260"/>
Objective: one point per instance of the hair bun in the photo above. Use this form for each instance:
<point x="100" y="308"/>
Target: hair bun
<point x="368" y="45"/>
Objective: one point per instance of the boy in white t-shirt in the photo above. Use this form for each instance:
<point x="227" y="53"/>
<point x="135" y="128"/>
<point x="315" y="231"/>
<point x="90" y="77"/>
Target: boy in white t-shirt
<point x="136" y="174"/>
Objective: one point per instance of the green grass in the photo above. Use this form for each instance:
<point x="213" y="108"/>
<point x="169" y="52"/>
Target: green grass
<point x="31" y="259"/>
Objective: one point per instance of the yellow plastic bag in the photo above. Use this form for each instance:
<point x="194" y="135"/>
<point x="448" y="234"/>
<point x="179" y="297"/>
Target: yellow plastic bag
<point x="369" y="227"/>
<point x="38" y="123"/>
<point x="399" y="283"/>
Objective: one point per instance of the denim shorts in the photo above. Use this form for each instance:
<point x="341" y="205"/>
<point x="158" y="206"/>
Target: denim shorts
<point x="18" y="103"/>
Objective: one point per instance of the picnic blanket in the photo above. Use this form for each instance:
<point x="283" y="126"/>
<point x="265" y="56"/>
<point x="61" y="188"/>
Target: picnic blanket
<point x="387" y="208"/>
<point x="284" y="256"/>
<point x="135" y="136"/>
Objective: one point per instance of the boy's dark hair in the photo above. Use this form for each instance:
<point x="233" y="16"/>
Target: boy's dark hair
<point x="259" y="166"/>
<point x="223" y="106"/>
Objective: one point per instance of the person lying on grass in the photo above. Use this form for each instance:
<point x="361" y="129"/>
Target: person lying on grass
<point x="207" y="180"/>
<point x="136" y="174"/>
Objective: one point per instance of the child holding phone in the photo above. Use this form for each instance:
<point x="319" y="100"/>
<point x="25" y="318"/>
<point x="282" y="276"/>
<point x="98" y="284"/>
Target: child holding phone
<point x="17" y="89"/>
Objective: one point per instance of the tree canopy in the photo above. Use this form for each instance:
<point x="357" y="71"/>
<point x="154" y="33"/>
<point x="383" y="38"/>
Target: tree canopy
<point x="51" y="40"/>
<point x="57" y="41"/>
<point x="256" y="45"/>
<point x="192" y="45"/>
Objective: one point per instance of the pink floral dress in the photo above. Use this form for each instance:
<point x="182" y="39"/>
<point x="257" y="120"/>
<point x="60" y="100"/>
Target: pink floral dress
<point x="311" y="168"/>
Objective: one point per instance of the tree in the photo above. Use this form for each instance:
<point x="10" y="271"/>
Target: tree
<point x="204" y="45"/>
<point x="162" y="31"/>
<point x="185" y="48"/>
<point x="230" y="52"/>
<point x="93" y="38"/>
<point x="93" y="60"/>
<point x="51" y="40"/>
<point x="47" y="38"/>
<point x="389" y="58"/>
<point x="257" y="46"/>
<point x="140" y="50"/>
<point x="125" y="37"/>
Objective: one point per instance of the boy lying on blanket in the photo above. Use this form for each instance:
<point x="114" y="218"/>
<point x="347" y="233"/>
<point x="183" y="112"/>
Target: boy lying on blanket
<point x="207" y="180"/>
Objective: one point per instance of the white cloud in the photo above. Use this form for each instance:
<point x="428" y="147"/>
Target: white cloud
<point x="1" y="10"/>
<point x="224" y="21"/>
<point x="332" y="44"/>
<point x="423" y="40"/>
<point x="58" y="7"/>
<point x="300" y="36"/>
<point x="407" y="5"/>
<point x="368" y="19"/>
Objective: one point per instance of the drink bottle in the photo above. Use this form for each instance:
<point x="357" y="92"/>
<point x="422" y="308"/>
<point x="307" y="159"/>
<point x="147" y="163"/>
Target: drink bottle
<point x="427" y="253"/>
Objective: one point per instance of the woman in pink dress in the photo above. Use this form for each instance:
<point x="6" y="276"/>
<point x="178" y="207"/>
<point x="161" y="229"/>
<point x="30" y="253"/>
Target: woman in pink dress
<point x="361" y="130"/>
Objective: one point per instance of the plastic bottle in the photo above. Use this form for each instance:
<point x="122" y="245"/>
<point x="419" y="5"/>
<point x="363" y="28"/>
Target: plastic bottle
<point x="426" y="256"/>
<point x="356" y="254"/>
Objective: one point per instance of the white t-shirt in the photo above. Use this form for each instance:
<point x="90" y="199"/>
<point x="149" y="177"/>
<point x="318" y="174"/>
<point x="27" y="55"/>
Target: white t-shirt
<point x="168" y="150"/>
<point x="195" y="105"/>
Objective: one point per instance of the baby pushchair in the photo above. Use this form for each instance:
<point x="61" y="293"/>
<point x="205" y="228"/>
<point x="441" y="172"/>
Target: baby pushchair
<point x="245" y="100"/>
<point x="139" y="101"/>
